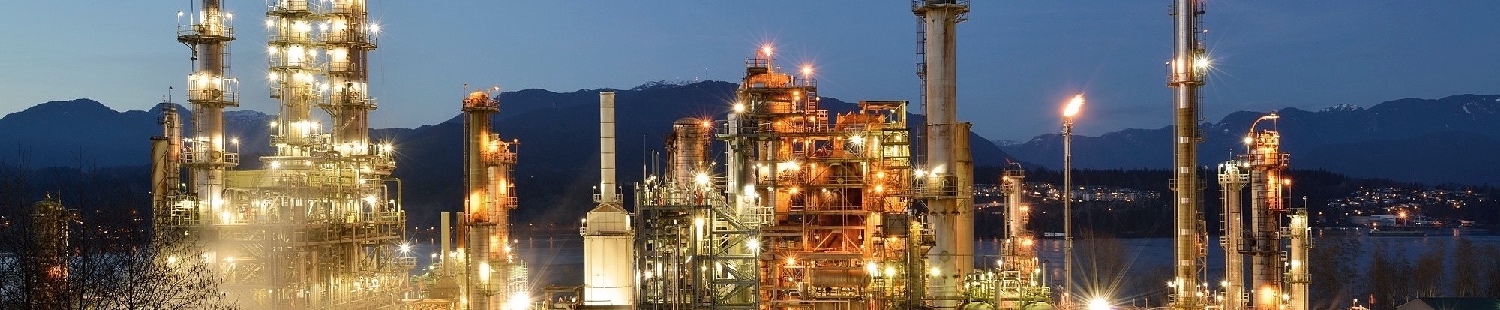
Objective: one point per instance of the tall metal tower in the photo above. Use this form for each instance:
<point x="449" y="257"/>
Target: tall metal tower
<point x="1187" y="68"/>
<point x="1232" y="181"/>
<point x="294" y="72"/>
<point x="1267" y="206"/>
<point x="208" y="32"/>
<point x="488" y="163"/>
<point x="949" y="175"/>
<point x="348" y="38"/>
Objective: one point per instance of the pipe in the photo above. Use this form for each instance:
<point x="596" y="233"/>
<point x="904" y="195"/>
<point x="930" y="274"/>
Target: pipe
<point x="1067" y="196"/>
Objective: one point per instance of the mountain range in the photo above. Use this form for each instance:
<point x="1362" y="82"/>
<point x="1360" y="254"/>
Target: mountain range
<point x="1443" y="140"/>
<point x="558" y="150"/>
<point x="1453" y="139"/>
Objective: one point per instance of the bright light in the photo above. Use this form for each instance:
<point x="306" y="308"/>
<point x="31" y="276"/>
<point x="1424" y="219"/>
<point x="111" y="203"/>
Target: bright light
<point x="518" y="301"/>
<point x="739" y="107"/>
<point x="1249" y="140"/>
<point x="405" y="248"/>
<point x="701" y="179"/>
<point x="375" y="28"/>
<point x="806" y="70"/>
<point x="766" y="50"/>
<point x="1098" y="303"/>
<point x="872" y="268"/>
<point x="484" y="272"/>
<point x="754" y="244"/>
<point x="934" y="271"/>
<point x="857" y="139"/>
<point x="1202" y="62"/>
<point x="1073" y="106"/>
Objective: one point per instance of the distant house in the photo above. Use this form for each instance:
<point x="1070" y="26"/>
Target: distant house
<point x="1451" y="303"/>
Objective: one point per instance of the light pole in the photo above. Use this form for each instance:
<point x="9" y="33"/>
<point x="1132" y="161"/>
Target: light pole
<point x="1071" y="110"/>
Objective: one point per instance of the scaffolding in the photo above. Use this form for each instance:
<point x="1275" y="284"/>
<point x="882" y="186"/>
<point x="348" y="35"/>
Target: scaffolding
<point x="827" y="195"/>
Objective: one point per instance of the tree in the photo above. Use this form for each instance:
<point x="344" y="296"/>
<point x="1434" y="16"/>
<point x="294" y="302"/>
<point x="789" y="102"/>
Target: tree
<point x="113" y="258"/>
<point x="1383" y="277"/>
<point x="1428" y="274"/>
<point x="1334" y="277"/>
<point x="1468" y="266"/>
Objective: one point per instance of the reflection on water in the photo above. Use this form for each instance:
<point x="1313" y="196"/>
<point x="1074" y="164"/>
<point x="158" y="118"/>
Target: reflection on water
<point x="1129" y="268"/>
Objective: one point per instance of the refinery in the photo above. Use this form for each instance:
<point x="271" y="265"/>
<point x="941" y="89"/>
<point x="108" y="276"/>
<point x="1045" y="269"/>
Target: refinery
<point x="780" y="203"/>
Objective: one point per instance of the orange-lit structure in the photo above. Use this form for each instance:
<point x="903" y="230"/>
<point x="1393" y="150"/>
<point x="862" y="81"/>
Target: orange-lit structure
<point x="1277" y="255"/>
<point x="488" y="264"/>
<point x="830" y="192"/>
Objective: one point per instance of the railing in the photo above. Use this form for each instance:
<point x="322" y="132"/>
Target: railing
<point x="498" y="157"/>
<point x="354" y="37"/>
<point x="224" y="93"/>
<point x="288" y="6"/>
<point x="221" y="30"/>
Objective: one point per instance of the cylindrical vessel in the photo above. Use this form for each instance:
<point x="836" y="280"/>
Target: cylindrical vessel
<point x="689" y="149"/>
<point x="1185" y="81"/>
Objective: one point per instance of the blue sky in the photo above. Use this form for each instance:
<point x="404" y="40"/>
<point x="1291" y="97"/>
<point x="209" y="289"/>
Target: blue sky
<point x="1019" y="59"/>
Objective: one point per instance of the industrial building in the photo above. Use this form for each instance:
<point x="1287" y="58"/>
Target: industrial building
<point x="319" y="223"/>
<point x="1276" y="253"/>
<point x="781" y="204"/>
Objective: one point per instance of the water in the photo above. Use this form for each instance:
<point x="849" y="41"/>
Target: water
<point x="1126" y="269"/>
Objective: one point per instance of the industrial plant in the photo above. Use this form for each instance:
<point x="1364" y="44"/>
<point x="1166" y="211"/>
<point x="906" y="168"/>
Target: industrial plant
<point x="319" y="223"/>
<point x="780" y="203"/>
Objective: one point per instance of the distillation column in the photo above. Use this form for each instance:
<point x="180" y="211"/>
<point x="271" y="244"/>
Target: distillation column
<point x="609" y="279"/>
<point x="208" y="32"/>
<point x="1267" y="204"/>
<point x="486" y="214"/>
<point x="1020" y="280"/>
<point x="293" y="75"/>
<point x="1297" y="276"/>
<point x="348" y="38"/>
<point x="1232" y="180"/>
<point x="948" y="185"/>
<point x="166" y="167"/>
<point x="1186" y="67"/>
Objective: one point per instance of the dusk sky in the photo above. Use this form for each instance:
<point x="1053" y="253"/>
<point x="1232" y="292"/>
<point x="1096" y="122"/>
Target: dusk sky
<point x="1018" y="59"/>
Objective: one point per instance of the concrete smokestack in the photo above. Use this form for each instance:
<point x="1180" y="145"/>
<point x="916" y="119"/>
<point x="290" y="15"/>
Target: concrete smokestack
<point x="608" y="238"/>
<point x="607" y="187"/>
